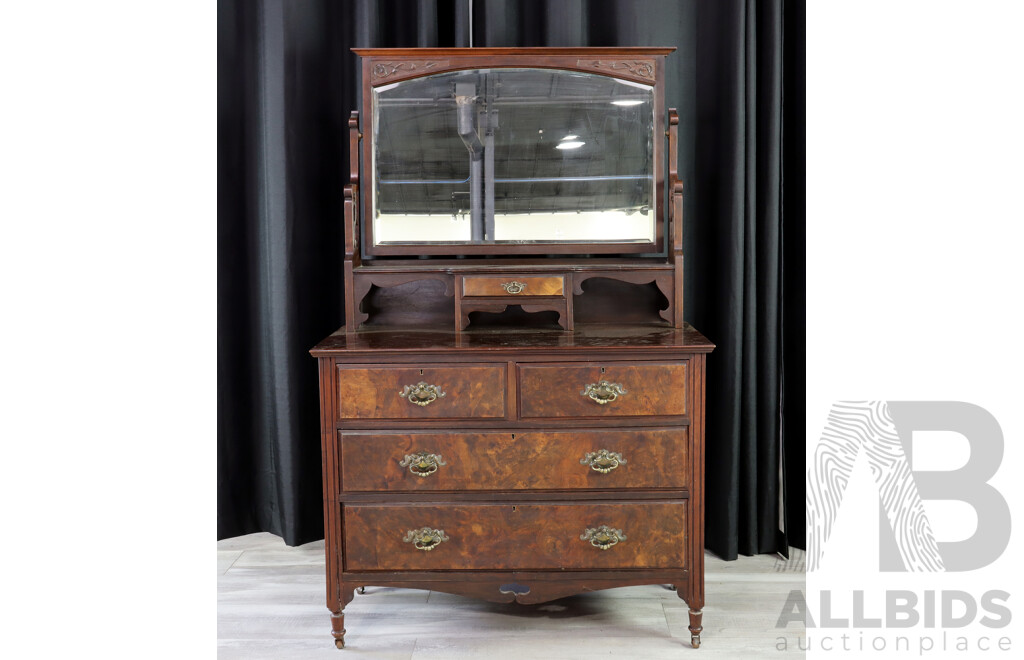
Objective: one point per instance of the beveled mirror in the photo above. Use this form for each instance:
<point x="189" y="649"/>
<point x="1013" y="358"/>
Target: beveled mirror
<point x="514" y="156"/>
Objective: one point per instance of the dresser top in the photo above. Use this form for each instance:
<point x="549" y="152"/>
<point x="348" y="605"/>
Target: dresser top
<point x="585" y="338"/>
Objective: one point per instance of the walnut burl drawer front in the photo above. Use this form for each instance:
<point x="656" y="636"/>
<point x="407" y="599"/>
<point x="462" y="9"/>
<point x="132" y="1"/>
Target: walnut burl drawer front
<point x="604" y="390"/>
<point x="513" y="285"/>
<point x="515" y="536"/>
<point x="505" y="460"/>
<point x="428" y="392"/>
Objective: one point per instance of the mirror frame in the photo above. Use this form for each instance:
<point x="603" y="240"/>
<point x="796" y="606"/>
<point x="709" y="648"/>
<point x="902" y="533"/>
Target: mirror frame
<point x="386" y="66"/>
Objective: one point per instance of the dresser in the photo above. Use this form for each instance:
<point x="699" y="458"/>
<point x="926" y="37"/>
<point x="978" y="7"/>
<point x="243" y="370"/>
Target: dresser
<point x="517" y="468"/>
<point x="514" y="409"/>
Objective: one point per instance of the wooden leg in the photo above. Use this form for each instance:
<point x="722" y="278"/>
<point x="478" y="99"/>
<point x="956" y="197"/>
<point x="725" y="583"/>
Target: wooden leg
<point x="338" y="628"/>
<point x="695" y="627"/>
<point x="346" y="593"/>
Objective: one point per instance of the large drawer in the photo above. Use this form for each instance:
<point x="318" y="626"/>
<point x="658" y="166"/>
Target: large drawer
<point x="422" y="392"/>
<point x="614" y="389"/>
<point x="515" y="536"/>
<point x="519" y="460"/>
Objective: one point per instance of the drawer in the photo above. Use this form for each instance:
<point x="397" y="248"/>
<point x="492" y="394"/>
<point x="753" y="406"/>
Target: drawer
<point x="516" y="285"/>
<point x="421" y="392"/>
<point x="614" y="389"/>
<point x="506" y="460"/>
<point x="515" y="536"/>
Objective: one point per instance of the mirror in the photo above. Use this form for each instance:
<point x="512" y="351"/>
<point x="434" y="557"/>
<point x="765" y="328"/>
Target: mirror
<point x="504" y="156"/>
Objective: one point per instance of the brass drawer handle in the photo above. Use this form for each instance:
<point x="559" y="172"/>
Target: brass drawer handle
<point x="425" y="538"/>
<point x="602" y="461"/>
<point x="513" y="287"/>
<point x="422" y="463"/>
<point x="603" y="537"/>
<point x="421" y="393"/>
<point x="603" y="392"/>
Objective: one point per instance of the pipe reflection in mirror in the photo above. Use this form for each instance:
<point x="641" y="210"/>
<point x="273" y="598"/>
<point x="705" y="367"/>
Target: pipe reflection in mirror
<point x="465" y="100"/>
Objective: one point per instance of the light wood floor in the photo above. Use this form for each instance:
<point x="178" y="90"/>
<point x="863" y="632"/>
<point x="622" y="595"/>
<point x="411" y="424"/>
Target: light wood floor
<point x="271" y="605"/>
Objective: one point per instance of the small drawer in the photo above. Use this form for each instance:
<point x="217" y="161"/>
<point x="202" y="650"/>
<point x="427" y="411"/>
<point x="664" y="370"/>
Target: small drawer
<point x="507" y="460"/>
<point x="513" y="285"/>
<point x="615" y="389"/>
<point x="428" y="392"/>
<point x="515" y="536"/>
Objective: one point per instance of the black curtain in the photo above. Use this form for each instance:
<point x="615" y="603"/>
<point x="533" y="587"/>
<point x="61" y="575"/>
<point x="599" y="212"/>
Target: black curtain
<point x="287" y="82"/>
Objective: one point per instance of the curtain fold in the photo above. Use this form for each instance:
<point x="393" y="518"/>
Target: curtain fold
<point x="286" y="84"/>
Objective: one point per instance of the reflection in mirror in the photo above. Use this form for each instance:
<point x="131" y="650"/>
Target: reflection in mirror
<point x="513" y="156"/>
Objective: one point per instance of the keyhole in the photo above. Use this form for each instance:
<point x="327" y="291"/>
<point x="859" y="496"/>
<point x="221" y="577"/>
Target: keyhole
<point x="513" y="436"/>
<point x="421" y="371"/>
<point x="513" y="508"/>
<point x="602" y="370"/>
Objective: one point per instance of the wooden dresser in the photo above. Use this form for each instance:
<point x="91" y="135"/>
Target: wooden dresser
<point x="518" y="413"/>
<point x="523" y="467"/>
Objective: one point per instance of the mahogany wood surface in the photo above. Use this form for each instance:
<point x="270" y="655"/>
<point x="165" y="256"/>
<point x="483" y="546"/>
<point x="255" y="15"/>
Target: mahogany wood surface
<point x="541" y="586"/>
<point x="422" y="302"/>
<point x="693" y="593"/>
<point x="520" y="536"/>
<point x="353" y="257"/>
<point x="676" y="213"/>
<point x="463" y="285"/>
<point x="331" y="480"/>
<point x="567" y="495"/>
<point x="374" y="392"/>
<point x="663" y="279"/>
<point x="364" y="281"/>
<point x="511" y="460"/>
<point x="587" y="341"/>
<point x="513" y="264"/>
<point x="559" y="305"/>
<point x="557" y="390"/>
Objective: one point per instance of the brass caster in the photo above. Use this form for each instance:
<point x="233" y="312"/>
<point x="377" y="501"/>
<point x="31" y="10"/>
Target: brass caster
<point x="339" y="643"/>
<point x="695" y="641"/>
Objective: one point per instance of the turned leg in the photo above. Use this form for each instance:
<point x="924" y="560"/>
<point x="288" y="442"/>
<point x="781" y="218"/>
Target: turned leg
<point x="338" y="628"/>
<point x="695" y="627"/>
<point x="695" y="608"/>
<point x="346" y="593"/>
